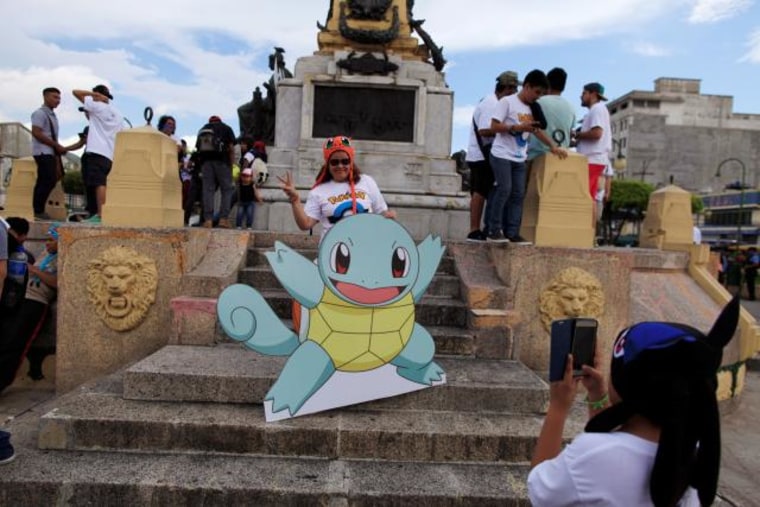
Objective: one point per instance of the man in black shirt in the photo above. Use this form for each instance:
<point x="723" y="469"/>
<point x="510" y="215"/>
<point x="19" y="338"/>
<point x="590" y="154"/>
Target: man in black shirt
<point x="214" y="146"/>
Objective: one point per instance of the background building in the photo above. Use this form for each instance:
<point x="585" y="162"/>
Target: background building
<point x="676" y="134"/>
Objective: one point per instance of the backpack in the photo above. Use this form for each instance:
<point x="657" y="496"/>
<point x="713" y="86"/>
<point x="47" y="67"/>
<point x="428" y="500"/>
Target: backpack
<point x="209" y="141"/>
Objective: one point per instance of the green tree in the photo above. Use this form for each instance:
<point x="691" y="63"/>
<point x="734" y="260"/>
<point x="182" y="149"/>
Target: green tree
<point x="632" y="195"/>
<point x="697" y="204"/>
<point x="72" y="183"/>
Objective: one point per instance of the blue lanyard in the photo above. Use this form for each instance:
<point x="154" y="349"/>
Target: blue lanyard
<point x="49" y="258"/>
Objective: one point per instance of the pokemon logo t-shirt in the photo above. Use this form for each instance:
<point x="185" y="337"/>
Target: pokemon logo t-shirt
<point x="511" y="110"/>
<point x="331" y="201"/>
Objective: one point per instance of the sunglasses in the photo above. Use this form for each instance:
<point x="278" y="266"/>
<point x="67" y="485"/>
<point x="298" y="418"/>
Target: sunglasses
<point x="335" y="162"/>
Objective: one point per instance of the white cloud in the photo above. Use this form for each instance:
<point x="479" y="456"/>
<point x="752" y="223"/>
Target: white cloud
<point x="463" y="115"/>
<point x="650" y="49"/>
<point x="116" y="44"/>
<point x="711" y="11"/>
<point x="753" y="55"/>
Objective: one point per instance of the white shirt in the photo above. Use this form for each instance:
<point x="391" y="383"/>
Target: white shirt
<point x="105" y="123"/>
<point x="333" y="200"/>
<point x="510" y="110"/>
<point x="604" y="469"/>
<point x="597" y="151"/>
<point x="482" y="117"/>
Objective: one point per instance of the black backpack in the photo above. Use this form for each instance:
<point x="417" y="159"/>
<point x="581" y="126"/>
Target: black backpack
<point x="209" y="141"/>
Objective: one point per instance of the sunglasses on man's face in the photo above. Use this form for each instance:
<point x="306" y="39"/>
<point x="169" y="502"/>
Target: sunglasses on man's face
<point x="335" y="162"/>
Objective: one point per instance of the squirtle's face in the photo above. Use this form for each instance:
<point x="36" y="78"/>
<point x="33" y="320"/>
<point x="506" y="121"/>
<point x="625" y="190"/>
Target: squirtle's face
<point x="368" y="260"/>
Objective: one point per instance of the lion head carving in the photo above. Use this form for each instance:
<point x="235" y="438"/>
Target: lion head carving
<point x="572" y="293"/>
<point x="121" y="285"/>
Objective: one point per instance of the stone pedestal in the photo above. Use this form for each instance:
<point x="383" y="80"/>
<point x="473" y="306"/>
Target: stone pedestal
<point x="18" y="202"/>
<point x="416" y="173"/>
<point x="669" y="224"/>
<point x="144" y="189"/>
<point x="558" y="209"/>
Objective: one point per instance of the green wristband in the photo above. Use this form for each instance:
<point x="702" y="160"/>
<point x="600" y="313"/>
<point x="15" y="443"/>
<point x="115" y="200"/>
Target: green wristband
<point x="600" y="403"/>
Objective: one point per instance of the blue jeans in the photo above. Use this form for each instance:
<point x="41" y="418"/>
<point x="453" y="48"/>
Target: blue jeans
<point x="244" y="209"/>
<point x="506" y="197"/>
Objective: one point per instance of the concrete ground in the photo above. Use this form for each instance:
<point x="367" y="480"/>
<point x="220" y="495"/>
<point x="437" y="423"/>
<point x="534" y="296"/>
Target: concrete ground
<point x="740" y="426"/>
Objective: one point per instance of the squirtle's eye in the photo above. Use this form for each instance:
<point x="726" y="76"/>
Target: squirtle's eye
<point x="400" y="262"/>
<point x="340" y="258"/>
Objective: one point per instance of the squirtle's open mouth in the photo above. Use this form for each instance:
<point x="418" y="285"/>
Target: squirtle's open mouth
<point x="365" y="296"/>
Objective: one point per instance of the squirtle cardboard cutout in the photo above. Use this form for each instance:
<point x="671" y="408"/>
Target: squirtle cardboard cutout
<point x="357" y="339"/>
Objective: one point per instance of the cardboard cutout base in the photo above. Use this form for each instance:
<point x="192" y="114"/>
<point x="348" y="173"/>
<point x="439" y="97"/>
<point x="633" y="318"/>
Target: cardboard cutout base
<point x="344" y="389"/>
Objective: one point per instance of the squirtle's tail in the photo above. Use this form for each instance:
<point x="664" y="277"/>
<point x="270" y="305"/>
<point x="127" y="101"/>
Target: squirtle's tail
<point x="246" y="317"/>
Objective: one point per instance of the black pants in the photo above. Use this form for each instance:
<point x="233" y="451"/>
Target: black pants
<point x="19" y="332"/>
<point x="750" y="275"/>
<point x="46" y="180"/>
<point x="90" y="195"/>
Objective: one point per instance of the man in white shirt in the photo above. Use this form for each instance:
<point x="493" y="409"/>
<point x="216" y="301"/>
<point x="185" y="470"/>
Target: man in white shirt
<point x="105" y="123"/>
<point x="594" y="140"/>
<point x="512" y="122"/>
<point x="479" y="148"/>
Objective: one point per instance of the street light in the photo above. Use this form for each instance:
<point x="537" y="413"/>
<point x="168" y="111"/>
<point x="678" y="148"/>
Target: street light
<point x="741" y="194"/>
<point x="620" y="163"/>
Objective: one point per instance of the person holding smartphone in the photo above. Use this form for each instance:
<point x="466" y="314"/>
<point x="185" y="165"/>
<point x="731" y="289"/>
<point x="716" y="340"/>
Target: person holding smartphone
<point x="513" y="122"/>
<point x="653" y="437"/>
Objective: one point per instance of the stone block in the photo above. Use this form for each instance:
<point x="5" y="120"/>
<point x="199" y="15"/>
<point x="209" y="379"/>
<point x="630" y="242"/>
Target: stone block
<point x="558" y="209"/>
<point x="488" y="318"/>
<point x="88" y="346"/>
<point x="494" y="343"/>
<point x="143" y="187"/>
<point x="668" y="224"/>
<point x="232" y="374"/>
<point x="194" y="321"/>
<point x="18" y="201"/>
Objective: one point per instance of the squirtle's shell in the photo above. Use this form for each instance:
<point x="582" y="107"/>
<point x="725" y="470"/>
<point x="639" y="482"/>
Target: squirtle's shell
<point x="359" y="338"/>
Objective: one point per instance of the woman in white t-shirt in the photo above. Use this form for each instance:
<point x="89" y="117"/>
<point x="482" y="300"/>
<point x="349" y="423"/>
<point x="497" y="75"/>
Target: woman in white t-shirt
<point x="655" y="439"/>
<point x="340" y="190"/>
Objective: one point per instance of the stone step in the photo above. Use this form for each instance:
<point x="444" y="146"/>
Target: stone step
<point x="195" y="323"/>
<point x="106" y="421"/>
<point x="225" y="374"/>
<point x="256" y="257"/>
<point x="263" y="278"/>
<point x="430" y="311"/>
<point x="107" y="478"/>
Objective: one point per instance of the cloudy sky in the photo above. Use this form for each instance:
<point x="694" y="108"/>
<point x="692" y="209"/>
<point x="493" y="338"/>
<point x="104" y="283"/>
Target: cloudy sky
<point x="192" y="59"/>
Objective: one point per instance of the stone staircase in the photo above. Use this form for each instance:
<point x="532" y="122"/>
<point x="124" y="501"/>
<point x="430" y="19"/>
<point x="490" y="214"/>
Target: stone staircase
<point x="185" y="426"/>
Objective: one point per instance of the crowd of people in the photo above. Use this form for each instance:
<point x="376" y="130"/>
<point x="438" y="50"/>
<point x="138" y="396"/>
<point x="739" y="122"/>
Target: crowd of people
<point x="212" y="168"/>
<point x="28" y="286"/>
<point x="514" y="125"/>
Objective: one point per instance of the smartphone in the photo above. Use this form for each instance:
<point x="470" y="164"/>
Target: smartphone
<point x="576" y="336"/>
<point x="584" y="344"/>
<point x="561" y="343"/>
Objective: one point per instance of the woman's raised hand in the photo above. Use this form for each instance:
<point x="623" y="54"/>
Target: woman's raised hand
<point x="289" y="187"/>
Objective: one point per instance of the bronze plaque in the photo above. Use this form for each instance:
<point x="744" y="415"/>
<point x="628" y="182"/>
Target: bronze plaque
<point x="373" y="114"/>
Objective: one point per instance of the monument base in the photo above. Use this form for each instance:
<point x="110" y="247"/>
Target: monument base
<point x="400" y="123"/>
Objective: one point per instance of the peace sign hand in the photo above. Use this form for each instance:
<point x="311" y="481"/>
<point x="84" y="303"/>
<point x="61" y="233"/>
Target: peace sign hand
<point x="289" y="187"/>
